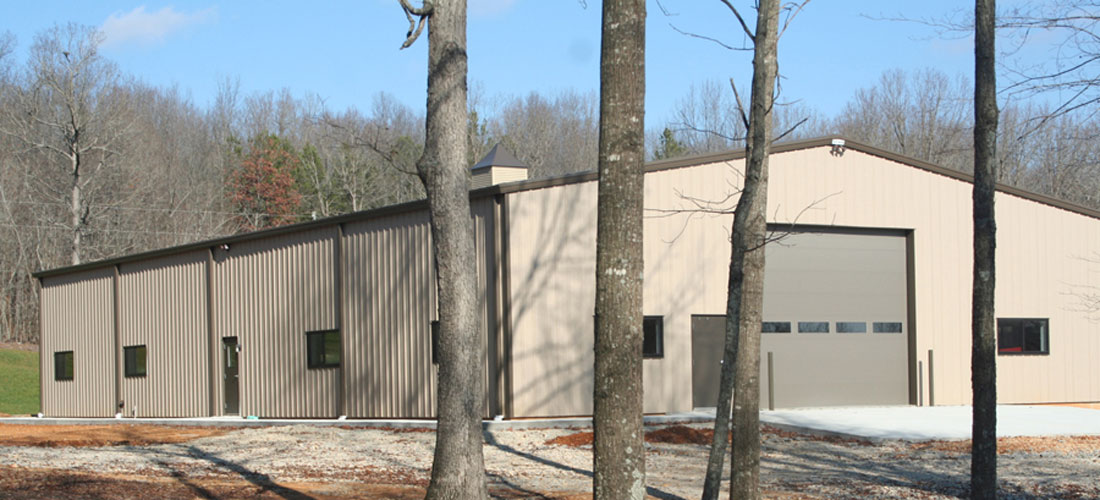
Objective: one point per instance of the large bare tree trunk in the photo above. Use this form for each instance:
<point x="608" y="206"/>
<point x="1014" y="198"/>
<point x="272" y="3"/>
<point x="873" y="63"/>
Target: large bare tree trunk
<point x="619" y="458"/>
<point x="983" y="360"/>
<point x="745" y="302"/>
<point x="458" y="468"/>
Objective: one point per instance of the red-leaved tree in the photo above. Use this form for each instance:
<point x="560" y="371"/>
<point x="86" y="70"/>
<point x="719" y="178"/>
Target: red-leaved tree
<point x="263" y="189"/>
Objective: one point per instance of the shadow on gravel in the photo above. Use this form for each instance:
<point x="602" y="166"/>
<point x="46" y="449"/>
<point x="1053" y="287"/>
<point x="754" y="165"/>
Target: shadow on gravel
<point x="263" y="481"/>
<point x="491" y="440"/>
<point x="822" y="462"/>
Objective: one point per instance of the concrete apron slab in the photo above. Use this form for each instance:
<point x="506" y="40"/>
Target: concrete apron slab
<point x="912" y="423"/>
<point x="488" y="425"/>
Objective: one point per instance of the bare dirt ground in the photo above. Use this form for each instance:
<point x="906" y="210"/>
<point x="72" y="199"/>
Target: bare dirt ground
<point x="299" y="462"/>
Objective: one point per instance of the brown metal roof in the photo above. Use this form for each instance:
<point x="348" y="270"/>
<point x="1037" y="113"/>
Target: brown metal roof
<point x="499" y="157"/>
<point x="655" y="166"/>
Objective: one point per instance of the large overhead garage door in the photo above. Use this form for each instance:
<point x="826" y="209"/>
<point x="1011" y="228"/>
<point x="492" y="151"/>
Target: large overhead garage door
<point x="835" y="312"/>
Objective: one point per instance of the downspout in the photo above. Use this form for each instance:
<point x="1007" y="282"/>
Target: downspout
<point x="504" y="279"/>
<point x="117" y="307"/>
<point x="911" y="315"/>
<point x="212" y="347"/>
<point x="340" y="297"/>
<point x="42" y="370"/>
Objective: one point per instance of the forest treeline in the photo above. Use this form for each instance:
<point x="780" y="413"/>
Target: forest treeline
<point x="95" y="163"/>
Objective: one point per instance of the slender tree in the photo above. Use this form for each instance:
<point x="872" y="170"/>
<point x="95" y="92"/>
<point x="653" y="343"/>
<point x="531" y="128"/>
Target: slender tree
<point x="72" y="112"/>
<point x="458" y="468"/>
<point x="983" y="356"/>
<point x="745" y="301"/>
<point x="619" y="458"/>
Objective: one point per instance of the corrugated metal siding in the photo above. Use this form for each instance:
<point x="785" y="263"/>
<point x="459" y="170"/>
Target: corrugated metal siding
<point x="391" y="301"/>
<point x="1041" y="253"/>
<point x="268" y="294"/>
<point x="163" y="307"/>
<point x="482" y="211"/>
<point x="79" y="317"/>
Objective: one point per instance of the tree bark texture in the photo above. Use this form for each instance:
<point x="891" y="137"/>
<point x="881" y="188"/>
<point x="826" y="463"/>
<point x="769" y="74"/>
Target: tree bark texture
<point x="739" y="385"/>
<point x="983" y="360"/>
<point x="619" y="458"/>
<point x="458" y="467"/>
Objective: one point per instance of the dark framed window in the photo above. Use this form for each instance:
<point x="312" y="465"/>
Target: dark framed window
<point x="653" y="337"/>
<point x="435" y="342"/>
<point x="813" y="327"/>
<point x="323" y="348"/>
<point x="134" y="360"/>
<point x="776" y="327"/>
<point x="1023" y="336"/>
<point x="851" y="327"/>
<point x="886" y="327"/>
<point x="63" y="365"/>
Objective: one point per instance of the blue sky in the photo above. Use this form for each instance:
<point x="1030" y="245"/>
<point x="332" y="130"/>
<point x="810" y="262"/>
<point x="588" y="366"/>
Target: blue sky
<point x="347" y="51"/>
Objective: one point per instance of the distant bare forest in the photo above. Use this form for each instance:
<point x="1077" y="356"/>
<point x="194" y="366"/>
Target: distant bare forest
<point x="94" y="163"/>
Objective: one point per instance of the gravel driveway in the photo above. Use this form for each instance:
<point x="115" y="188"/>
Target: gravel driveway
<point x="520" y="463"/>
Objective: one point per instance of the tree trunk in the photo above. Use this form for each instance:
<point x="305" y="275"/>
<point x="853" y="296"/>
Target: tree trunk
<point x="745" y="301"/>
<point x="619" y="458"/>
<point x="458" y="468"/>
<point x="76" y="206"/>
<point x="983" y="361"/>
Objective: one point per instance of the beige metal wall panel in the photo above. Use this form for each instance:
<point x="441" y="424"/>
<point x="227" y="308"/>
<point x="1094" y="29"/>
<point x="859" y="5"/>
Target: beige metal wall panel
<point x="391" y="302"/>
<point x="163" y="307"/>
<point x="78" y="316"/>
<point x="1040" y="261"/>
<point x="1045" y="273"/>
<point x="552" y="240"/>
<point x="268" y="293"/>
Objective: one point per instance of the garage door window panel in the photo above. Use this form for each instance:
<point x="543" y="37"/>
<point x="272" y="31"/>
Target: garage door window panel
<point x="813" y="327"/>
<point x="776" y="327"/>
<point x="851" y="327"/>
<point x="887" y="327"/>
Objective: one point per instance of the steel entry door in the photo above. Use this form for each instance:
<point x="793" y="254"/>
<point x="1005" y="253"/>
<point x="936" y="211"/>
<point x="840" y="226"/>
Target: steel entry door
<point x="230" y="369"/>
<point x="708" y="339"/>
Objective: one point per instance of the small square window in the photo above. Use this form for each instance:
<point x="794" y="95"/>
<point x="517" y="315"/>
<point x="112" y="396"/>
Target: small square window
<point x="887" y="327"/>
<point x="813" y="327"/>
<point x="134" y="360"/>
<point x="776" y="327"/>
<point x="851" y="327"/>
<point x="435" y="342"/>
<point x="653" y="337"/>
<point x="1023" y="336"/>
<point x="63" y="365"/>
<point x="323" y="348"/>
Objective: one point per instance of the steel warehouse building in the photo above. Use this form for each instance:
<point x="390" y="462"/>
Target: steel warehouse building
<point x="867" y="299"/>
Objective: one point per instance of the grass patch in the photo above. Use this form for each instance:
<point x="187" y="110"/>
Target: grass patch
<point x="19" y="390"/>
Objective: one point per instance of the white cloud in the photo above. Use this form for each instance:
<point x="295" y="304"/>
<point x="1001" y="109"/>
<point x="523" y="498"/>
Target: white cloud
<point x="148" y="28"/>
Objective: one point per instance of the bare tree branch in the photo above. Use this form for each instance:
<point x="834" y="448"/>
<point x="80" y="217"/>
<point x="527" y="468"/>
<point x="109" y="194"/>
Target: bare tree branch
<point x="707" y="38"/>
<point x="412" y="13"/>
<point x="744" y="26"/>
<point x="793" y="10"/>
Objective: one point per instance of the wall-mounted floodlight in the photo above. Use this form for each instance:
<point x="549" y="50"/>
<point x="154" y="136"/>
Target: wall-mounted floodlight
<point x="838" y="147"/>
